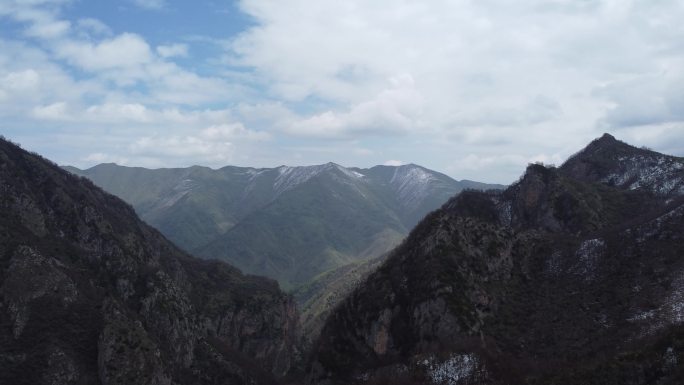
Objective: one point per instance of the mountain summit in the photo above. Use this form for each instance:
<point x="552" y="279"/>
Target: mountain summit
<point x="609" y="161"/>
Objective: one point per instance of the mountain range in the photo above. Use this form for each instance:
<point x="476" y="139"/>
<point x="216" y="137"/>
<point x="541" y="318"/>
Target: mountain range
<point x="287" y="223"/>
<point x="572" y="275"/>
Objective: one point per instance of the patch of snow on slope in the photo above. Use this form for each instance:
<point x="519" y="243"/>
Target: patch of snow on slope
<point x="655" y="226"/>
<point x="290" y="177"/>
<point x="179" y="191"/>
<point x="675" y="301"/>
<point x="662" y="175"/>
<point x="588" y="255"/>
<point x="452" y="371"/>
<point x="349" y="173"/>
<point x="253" y="172"/>
<point x="412" y="185"/>
<point x="670" y="311"/>
<point x="643" y="316"/>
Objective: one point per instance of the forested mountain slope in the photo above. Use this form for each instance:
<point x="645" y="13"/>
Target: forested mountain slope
<point x="90" y="294"/>
<point x="573" y="275"/>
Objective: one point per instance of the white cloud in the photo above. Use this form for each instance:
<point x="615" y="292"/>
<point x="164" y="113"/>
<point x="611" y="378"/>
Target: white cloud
<point x="180" y="146"/>
<point x="123" y="60"/>
<point x="27" y="79"/>
<point x="645" y="100"/>
<point x="172" y="50"/>
<point x="150" y="4"/>
<point x="99" y="157"/>
<point x="55" y="111"/>
<point x="524" y="78"/>
<point x="472" y="61"/>
<point x="394" y="110"/>
<point x="94" y="26"/>
<point x="123" y="51"/>
<point x="215" y="145"/>
<point x="474" y="88"/>
<point x="226" y="132"/>
<point x="114" y="113"/>
<point x="49" y="30"/>
<point x="393" y="162"/>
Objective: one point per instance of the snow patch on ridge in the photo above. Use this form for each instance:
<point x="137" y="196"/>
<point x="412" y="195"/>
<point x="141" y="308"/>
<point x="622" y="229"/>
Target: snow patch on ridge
<point x="663" y="175"/>
<point x="412" y="184"/>
<point x="290" y="177"/>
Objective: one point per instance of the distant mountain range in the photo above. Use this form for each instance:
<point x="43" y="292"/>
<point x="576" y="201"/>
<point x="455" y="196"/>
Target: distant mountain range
<point x="573" y="275"/>
<point x="288" y="223"/>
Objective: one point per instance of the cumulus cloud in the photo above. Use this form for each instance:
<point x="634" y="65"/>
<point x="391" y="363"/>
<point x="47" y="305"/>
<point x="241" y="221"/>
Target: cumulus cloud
<point x="477" y="89"/>
<point x="214" y="145"/>
<point x="49" y="30"/>
<point x="150" y="4"/>
<point x="393" y="162"/>
<point x="94" y="27"/>
<point x="55" y="111"/>
<point x="464" y="56"/>
<point x="226" y="132"/>
<point x="172" y="50"/>
<point x="123" y="51"/>
<point x="125" y="59"/>
<point x="645" y="101"/>
<point x="517" y="76"/>
<point x="182" y="146"/>
<point x="393" y="110"/>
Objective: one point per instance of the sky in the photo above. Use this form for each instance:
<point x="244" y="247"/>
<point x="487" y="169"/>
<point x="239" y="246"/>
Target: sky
<point x="476" y="89"/>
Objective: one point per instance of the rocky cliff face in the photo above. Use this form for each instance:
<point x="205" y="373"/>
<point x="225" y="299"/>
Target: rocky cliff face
<point x="90" y="294"/>
<point x="569" y="276"/>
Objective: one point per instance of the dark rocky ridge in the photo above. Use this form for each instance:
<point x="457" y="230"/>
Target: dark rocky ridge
<point x="572" y="275"/>
<point x="90" y="294"/>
